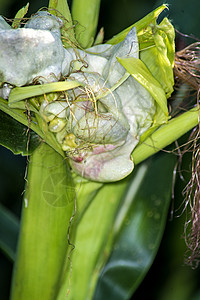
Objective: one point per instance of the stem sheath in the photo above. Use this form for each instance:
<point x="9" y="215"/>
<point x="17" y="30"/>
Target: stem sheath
<point x="47" y="209"/>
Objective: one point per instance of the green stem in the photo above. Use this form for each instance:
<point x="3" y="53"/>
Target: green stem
<point x="86" y="13"/>
<point x="166" y="134"/>
<point x="47" y="209"/>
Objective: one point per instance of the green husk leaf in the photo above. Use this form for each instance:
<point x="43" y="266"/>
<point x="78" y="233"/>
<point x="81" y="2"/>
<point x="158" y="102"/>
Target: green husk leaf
<point x="140" y="72"/>
<point x="159" y="57"/>
<point x="159" y="119"/>
<point x="85" y="14"/>
<point x="100" y="37"/>
<point x="47" y="209"/>
<point x="21" y="93"/>
<point x="140" y="25"/>
<point x="62" y="7"/>
<point x="19" y="16"/>
<point x="157" y="47"/>
<point x="58" y="7"/>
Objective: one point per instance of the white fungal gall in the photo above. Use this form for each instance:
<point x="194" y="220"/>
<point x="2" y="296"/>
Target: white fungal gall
<point x="45" y="21"/>
<point x="27" y="53"/>
<point x="4" y="24"/>
<point x="97" y="124"/>
<point x="108" y="125"/>
<point x="53" y="109"/>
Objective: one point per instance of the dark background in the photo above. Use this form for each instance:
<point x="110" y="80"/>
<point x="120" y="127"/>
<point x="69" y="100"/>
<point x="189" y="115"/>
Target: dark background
<point x="169" y="277"/>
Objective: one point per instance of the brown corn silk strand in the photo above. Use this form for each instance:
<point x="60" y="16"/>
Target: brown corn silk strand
<point x="187" y="70"/>
<point x="192" y="205"/>
<point x="187" y="65"/>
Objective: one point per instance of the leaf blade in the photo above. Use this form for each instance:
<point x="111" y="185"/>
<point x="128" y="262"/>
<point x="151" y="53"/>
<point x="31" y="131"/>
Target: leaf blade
<point x="58" y="7"/>
<point x="139" y="236"/>
<point x="21" y="93"/>
<point x="140" y="25"/>
<point x="86" y="14"/>
<point x="19" y="15"/>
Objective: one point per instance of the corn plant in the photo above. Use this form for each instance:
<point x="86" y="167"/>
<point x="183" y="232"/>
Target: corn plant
<point x="94" y="207"/>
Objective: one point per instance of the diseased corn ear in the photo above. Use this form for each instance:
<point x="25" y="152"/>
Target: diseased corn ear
<point x="109" y="97"/>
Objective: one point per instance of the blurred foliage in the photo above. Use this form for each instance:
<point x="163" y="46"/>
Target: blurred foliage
<point x="169" y="277"/>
